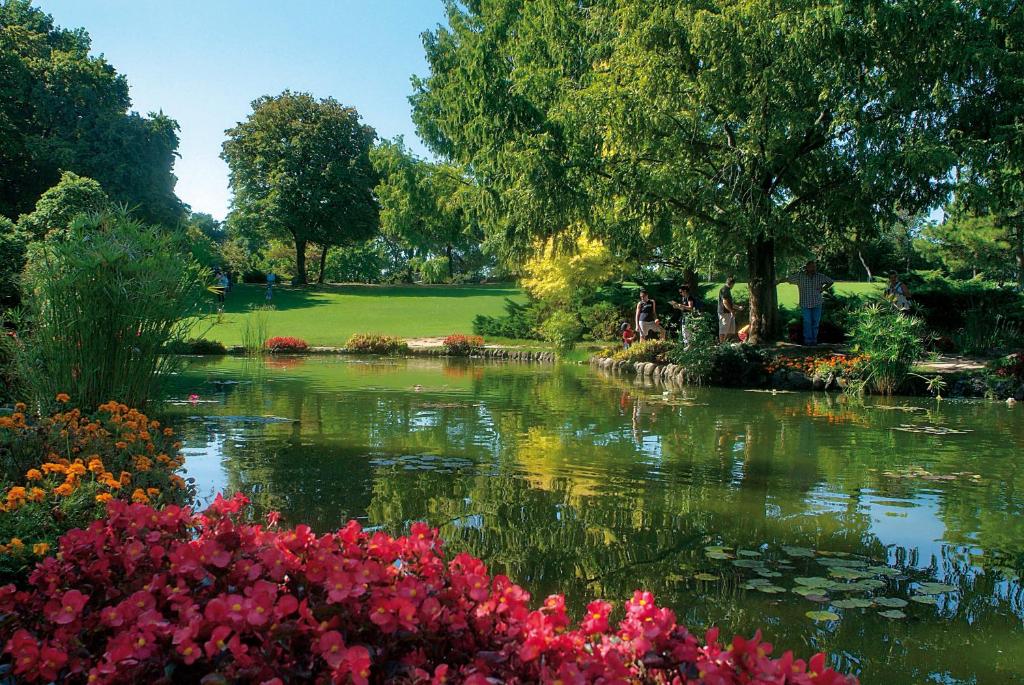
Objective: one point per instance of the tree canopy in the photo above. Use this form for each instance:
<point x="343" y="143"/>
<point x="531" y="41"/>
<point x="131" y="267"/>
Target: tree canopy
<point x="300" y="168"/>
<point x="62" y="109"/>
<point x="73" y="196"/>
<point x="714" y="127"/>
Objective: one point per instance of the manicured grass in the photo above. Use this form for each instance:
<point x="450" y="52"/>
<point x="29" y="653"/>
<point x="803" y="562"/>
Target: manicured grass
<point x="329" y="315"/>
<point x="788" y="296"/>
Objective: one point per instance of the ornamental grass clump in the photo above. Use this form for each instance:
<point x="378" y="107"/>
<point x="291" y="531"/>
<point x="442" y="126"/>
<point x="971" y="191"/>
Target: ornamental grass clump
<point x="373" y="343"/>
<point x="148" y="595"/>
<point x="105" y="299"/>
<point x="889" y="344"/>
<point x="58" y="472"/>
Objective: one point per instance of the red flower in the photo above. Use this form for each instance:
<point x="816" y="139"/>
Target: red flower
<point x="67" y="608"/>
<point x="332" y="648"/>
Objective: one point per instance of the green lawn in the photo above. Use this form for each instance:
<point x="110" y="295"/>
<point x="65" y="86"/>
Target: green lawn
<point x="329" y="315"/>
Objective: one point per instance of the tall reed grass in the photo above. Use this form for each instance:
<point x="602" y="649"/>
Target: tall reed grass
<point x="104" y="301"/>
<point x="891" y="343"/>
<point x="255" y="329"/>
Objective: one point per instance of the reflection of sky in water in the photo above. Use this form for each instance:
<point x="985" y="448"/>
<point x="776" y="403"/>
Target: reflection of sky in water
<point x="908" y="523"/>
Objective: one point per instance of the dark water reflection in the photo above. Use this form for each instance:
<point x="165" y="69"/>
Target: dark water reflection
<point x="575" y="482"/>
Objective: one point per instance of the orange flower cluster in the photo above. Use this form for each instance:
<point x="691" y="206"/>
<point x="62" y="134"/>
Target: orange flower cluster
<point x="839" y="364"/>
<point x="119" y="453"/>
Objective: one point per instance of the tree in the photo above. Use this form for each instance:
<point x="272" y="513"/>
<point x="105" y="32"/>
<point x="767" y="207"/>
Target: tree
<point x="764" y="127"/>
<point x="301" y="167"/>
<point x="422" y="204"/>
<point x="64" y="110"/>
<point x="968" y="245"/>
<point x="56" y="208"/>
<point x="12" y="259"/>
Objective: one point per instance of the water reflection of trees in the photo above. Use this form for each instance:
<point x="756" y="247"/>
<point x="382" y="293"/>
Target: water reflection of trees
<point x="595" y="486"/>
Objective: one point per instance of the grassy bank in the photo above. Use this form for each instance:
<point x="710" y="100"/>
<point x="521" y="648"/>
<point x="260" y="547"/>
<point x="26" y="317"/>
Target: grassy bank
<point x="329" y="315"/>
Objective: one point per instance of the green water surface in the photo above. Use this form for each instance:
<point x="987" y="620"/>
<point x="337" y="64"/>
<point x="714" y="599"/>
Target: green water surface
<point x="739" y="509"/>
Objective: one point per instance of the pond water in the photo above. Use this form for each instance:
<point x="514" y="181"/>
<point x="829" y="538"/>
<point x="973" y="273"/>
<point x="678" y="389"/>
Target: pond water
<point x="742" y="509"/>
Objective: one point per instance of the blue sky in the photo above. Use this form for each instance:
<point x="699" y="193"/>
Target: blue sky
<point x="203" y="61"/>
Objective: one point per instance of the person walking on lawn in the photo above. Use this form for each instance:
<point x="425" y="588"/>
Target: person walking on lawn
<point x="811" y="285"/>
<point x="646" y="315"/>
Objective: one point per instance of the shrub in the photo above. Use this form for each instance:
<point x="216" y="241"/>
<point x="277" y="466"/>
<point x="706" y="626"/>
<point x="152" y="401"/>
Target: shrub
<point x="1011" y="366"/>
<point x="12" y="382"/>
<point x="56" y="473"/>
<point x="646" y="351"/>
<point x="286" y="344"/>
<point x="966" y="310"/>
<point x="562" y="329"/>
<point x="890" y="343"/>
<point x="197" y="346"/>
<point x="148" y="595"/>
<point x="740" y="366"/>
<point x="13" y="244"/>
<point x="461" y="345"/>
<point x="601" y="321"/>
<point x="103" y="304"/>
<point x="521" y="321"/>
<point x="697" y="358"/>
<point x="373" y="343"/>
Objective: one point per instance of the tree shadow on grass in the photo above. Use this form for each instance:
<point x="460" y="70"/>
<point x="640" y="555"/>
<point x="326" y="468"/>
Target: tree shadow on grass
<point x="244" y="297"/>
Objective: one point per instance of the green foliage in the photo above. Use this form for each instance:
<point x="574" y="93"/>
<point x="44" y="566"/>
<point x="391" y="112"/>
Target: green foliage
<point x="971" y="310"/>
<point x="255" y="329"/>
<point x="601" y="320"/>
<point x="13" y="244"/>
<point x="562" y="329"/>
<point x="64" y="109"/>
<point x="739" y="366"/>
<point x="890" y="343"/>
<point x="361" y="263"/>
<point x="104" y="303"/>
<point x="968" y="246"/>
<point x="12" y="382"/>
<point x="521" y="321"/>
<point x="197" y="346"/>
<point x="435" y="270"/>
<point x="300" y="169"/>
<point x="657" y="351"/>
<point x="697" y="358"/>
<point x="73" y="196"/>
<point x="374" y="343"/>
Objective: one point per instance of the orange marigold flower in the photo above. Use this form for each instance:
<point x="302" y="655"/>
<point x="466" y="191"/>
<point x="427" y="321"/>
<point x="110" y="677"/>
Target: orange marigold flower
<point x="16" y="543"/>
<point x="168" y="432"/>
<point x="104" y="497"/>
<point x="95" y="465"/>
<point x="126" y="478"/>
<point x="152" y="492"/>
<point x="20" y="406"/>
<point x="41" y="548"/>
<point x="34" y="474"/>
<point x="63" y="489"/>
<point x="37" y="494"/>
<point x="77" y="469"/>
<point x="139" y="496"/>
<point x="51" y="467"/>
<point x="121" y="444"/>
<point x="63" y="397"/>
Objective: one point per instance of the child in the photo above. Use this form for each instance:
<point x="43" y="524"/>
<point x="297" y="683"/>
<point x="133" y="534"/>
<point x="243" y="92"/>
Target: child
<point x="628" y="336"/>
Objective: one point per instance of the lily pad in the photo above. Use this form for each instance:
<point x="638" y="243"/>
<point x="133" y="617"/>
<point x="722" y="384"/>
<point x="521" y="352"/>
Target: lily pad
<point x="748" y="553"/>
<point x="892" y="602"/>
<point x="798" y="551"/>
<point x="852" y="603"/>
<point x="813" y="581"/>
<point x="806" y="590"/>
<point x="765" y="573"/>
<point x="934" y="588"/>
<point x="716" y="548"/>
<point x="748" y="563"/>
<point x="924" y="599"/>
<point x="706" y="577"/>
<point x="720" y="556"/>
<point x="822" y="616"/>
<point x="888" y="571"/>
<point x="847" y="563"/>
<point x="894" y="614"/>
<point x="848" y="573"/>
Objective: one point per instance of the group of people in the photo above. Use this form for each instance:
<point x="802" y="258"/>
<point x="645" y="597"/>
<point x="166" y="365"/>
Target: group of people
<point x="811" y="286"/>
<point x="222" y="286"/>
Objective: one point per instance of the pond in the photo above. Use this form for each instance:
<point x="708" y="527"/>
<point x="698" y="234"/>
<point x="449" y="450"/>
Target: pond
<point x="898" y="524"/>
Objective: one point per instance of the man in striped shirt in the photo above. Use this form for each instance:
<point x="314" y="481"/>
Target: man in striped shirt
<point x="810" y="284"/>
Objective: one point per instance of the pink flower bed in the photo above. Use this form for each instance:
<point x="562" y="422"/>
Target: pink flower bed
<point x="149" y="595"/>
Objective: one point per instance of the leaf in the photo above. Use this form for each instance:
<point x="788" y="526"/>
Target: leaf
<point x="706" y="577"/>
<point x="893" y="602"/>
<point x="822" y="616"/>
<point x="748" y="553"/>
<point x="798" y="551"/>
<point x="853" y="603"/>
<point x="934" y="588"/>
<point x="847" y="563"/>
<point x="894" y="614"/>
<point x="884" y="571"/>
<point x="924" y="599"/>
<point x="847" y="573"/>
<point x="748" y="563"/>
<point x="716" y="548"/>
<point x="813" y="581"/>
<point x="765" y="573"/>
<point x="721" y="556"/>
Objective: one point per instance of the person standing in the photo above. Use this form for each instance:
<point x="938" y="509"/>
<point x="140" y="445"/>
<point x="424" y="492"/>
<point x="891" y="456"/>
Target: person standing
<point x="628" y="336"/>
<point x="222" y="287"/>
<point x="687" y="306"/>
<point x="897" y="293"/>
<point x="271" y="279"/>
<point x="811" y="285"/>
<point x="727" y="309"/>
<point x="646" y="315"/>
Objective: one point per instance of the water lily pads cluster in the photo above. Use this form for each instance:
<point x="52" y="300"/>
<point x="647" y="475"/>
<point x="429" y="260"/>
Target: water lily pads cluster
<point x="930" y="430"/>
<point x="917" y="472"/>
<point x="422" y="462"/>
<point x="843" y="582"/>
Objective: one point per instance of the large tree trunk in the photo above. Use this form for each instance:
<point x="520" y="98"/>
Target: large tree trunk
<point x="451" y="266"/>
<point x="323" y="263"/>
<point x="300" y="263"/>
<point x="764" y="301"/>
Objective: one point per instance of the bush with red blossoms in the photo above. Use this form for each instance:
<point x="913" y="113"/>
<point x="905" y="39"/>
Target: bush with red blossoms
<point x="286" y="344"/>
<point x="162" y="596"/>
